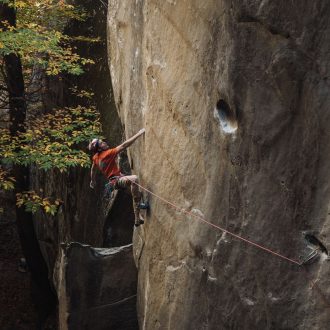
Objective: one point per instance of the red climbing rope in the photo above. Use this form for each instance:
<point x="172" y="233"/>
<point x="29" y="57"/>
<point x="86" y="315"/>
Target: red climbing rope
<point x="218" y="227"/>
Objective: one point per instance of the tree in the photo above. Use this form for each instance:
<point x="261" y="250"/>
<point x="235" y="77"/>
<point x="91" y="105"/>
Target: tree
<point x="31" y="42"/>
<point x="33" y="45"/>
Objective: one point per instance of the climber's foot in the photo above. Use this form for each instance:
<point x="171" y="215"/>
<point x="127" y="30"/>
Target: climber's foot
<point x="144" y="206"/>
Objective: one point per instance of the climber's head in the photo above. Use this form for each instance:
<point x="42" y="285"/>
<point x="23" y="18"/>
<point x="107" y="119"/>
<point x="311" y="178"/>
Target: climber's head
<point x="97" y="145"/>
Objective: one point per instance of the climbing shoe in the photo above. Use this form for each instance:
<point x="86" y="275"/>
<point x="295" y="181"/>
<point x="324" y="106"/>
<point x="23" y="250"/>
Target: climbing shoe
<point x="138" y="222"/>
<point x="144" y="206"/>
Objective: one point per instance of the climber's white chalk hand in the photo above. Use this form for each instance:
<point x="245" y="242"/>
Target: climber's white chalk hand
<point x="142" y="131"/>
<point x="92" y="184"/>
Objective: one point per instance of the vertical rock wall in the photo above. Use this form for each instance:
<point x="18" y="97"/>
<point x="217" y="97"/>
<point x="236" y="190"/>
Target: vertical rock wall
<point x="234" y="96"/>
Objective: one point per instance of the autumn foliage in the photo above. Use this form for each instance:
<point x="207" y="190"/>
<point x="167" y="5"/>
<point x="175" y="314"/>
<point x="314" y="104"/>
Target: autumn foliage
<point x="55" y="139"/>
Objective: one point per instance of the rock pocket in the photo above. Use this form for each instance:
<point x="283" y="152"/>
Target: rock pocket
<point x="226" y="117"/>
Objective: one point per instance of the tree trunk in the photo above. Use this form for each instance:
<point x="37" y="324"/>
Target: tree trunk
<point x="43" y="294"/>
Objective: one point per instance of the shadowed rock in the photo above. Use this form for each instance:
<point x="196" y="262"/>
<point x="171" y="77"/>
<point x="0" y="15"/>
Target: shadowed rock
<point x="97" y="288"/>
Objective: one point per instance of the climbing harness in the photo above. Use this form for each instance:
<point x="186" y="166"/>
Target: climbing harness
<point x="113" y="185"/>
<point x="110" y="186"/>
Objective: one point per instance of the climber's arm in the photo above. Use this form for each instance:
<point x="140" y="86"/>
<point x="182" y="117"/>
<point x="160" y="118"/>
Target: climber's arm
<point x="128" y="142"/>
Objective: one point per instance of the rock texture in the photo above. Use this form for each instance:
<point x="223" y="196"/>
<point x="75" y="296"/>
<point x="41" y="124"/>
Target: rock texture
<point x="234" y="96"/>
<point x="98" y="288"/>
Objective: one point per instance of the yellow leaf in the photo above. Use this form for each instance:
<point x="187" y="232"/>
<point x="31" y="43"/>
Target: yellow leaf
<point x="20" y="4"/>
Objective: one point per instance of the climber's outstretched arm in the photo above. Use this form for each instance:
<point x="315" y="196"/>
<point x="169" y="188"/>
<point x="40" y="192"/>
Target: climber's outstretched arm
<point x="128" y="142"/>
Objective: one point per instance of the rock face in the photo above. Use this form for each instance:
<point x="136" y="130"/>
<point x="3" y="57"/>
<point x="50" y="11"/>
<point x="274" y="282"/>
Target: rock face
<point x="234" y="96"/>
<point x="101" y="291"/>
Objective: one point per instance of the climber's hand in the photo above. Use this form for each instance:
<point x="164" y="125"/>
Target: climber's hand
<point x="142" y="131"/>
<point x="92" y="184"/>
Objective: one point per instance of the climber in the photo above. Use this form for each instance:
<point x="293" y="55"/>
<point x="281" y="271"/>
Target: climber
<point x="105" y="159"/>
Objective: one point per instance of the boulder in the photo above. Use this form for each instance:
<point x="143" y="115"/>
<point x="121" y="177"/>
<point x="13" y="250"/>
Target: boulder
<point x="97" y="288"/>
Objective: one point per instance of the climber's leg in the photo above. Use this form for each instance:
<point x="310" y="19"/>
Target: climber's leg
<point x="129" y="180"/>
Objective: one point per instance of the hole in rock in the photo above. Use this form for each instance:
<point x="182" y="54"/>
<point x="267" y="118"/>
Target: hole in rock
<point x="226" y="117"/>
<point x="313" y="240"/>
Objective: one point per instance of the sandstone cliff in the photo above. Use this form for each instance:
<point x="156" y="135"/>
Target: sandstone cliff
<point x="234" y="96"/>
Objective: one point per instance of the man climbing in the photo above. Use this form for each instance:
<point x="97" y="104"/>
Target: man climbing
<point x="105" y="159"/>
